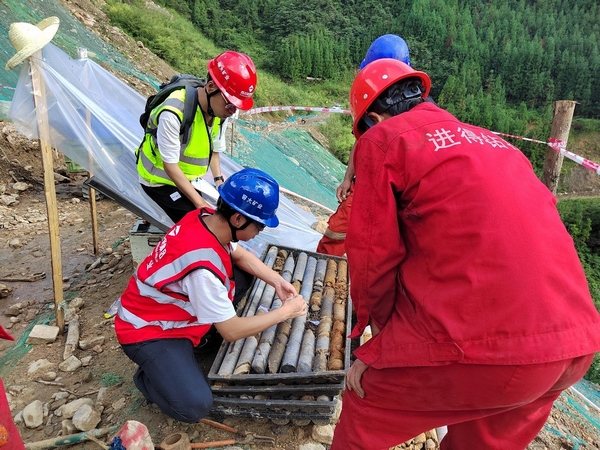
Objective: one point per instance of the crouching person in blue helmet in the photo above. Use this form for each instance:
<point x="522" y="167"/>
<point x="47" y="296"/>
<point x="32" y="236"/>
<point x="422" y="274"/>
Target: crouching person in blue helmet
<point x="186" y="285"/>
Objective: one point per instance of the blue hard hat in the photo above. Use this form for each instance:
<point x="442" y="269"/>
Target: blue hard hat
<point x="387" y="46"/>
<point x="254" y="194"/>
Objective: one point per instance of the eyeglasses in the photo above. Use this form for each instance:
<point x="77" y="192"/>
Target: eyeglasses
<point x="230" y="107"/>
<point x="258" y="225"/>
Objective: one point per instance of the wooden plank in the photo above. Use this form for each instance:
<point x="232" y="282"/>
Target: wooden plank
<point x="82" y="54"/>
<point x="92" y="194"/>
<point x="41" y="108"/>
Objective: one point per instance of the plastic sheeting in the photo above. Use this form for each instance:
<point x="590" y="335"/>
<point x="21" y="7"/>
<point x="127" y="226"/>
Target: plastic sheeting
<point x="71" y="35"/>
<point x="93" y="119"/>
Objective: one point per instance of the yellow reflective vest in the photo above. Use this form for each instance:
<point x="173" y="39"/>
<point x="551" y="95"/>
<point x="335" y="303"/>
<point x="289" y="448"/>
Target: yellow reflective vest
<point x="193" y="157"/>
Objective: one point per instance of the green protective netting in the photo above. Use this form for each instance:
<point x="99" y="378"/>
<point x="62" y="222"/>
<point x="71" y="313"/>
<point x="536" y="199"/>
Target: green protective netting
<point x="71" y="35"/>
<point x="13" y="355"/>
<point x="292" y="157"/>
<point x="579" y="405"/>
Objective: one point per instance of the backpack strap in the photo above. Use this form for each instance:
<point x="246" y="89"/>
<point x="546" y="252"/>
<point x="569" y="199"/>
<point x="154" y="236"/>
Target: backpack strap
<point x="189" y="112"/>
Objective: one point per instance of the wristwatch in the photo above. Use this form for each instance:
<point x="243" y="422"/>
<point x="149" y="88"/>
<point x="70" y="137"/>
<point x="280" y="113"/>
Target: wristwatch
<point x="220" y="177"/>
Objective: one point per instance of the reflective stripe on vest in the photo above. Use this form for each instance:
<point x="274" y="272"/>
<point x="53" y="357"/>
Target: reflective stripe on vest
<point x="193" y="157"/>
<point x="138" y="322"/>
<point x="149" y="291"/>
<point x="159" y="297"/>
<point x="165" y="274"/>
<point x="149" y="308"/>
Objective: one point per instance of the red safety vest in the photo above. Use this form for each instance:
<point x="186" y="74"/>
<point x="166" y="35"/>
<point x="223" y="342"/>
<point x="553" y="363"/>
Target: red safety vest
<point x="149" y="309"/>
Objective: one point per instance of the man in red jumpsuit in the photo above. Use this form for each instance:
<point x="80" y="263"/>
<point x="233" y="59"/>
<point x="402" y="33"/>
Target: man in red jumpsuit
<point x="459" y="261"/>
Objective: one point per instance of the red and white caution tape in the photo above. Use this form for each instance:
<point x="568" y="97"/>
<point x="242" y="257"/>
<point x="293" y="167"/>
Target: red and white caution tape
<point x="294" y="108"/>
<point x="556" y="144"/>
<point x="561" y="147"/>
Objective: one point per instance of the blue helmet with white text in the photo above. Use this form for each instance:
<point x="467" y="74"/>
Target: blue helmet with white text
<point x="254" y="194"/>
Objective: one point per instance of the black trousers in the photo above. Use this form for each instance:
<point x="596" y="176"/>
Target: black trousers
<point x="171" y="200"/>
<point x="169" y="376"/>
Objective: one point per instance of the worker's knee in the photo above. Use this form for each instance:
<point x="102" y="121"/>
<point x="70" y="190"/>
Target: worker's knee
<point x="192" y="409"/>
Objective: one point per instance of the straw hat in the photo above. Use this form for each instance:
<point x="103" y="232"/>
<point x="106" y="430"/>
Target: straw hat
<point x="28" y="39"/>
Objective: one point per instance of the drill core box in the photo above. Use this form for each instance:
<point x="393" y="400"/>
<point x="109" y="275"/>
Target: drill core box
<point x="301" y="397"/>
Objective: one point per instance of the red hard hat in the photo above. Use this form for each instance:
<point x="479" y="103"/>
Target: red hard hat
<point x="235" y="75"/>
<point x="375" y="78"/>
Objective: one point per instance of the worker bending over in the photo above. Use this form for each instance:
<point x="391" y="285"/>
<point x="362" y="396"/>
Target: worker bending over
<point x="186" y="284"/>
<point x="165" y="165"/>
<point x="479" y="306"/>
<point x="334" y="237"/>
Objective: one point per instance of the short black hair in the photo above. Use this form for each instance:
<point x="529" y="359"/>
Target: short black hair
<point x="224" y="210"/>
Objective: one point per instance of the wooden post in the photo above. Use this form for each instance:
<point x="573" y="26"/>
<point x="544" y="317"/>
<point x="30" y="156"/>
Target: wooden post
<point x="561" y="125"/>
<point x="39" y="98"/>
<point x="92" y="193"/>
<point x="82" y="54"/>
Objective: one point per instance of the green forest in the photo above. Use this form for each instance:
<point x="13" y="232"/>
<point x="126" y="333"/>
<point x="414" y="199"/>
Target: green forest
<point x="499" y="64"/>
<point x="530" y="51"/>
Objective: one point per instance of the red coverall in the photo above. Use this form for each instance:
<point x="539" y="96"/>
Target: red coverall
<point x="333" y="241"/>
<point x="458" y="255"/>
<point x="10" y="439"/>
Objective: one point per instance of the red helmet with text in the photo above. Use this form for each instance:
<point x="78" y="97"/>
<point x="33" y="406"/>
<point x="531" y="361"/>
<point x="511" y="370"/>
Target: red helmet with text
<point x="235" y="75"/>
<point x="374" y="79"/>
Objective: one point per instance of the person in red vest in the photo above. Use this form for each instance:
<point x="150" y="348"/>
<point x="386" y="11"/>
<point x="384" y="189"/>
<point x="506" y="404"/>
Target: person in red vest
<point x="478" y="304"/>
<point x="10" y="439"/>
<point x="186" y="285"/>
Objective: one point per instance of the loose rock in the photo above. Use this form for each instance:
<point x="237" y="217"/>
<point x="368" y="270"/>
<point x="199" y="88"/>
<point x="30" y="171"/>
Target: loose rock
<point x="86" y="418"/>
<point x="70" y="364"/>
<point x="67" y="427"/>
<point x="323" y="433"/>
<point x="40" y="367"/>
<point x="86" y="344"/>
<point x="42" y="334"/>
<point x="33" y="414"/>
<point x="311" y="446"/>
<point x="68" y="411"/>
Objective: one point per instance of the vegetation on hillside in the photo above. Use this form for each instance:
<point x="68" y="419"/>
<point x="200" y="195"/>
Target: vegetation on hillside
<point x="539" y="51"/>
<point x="496" y="64"/>
<point x="582" y="219"/>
